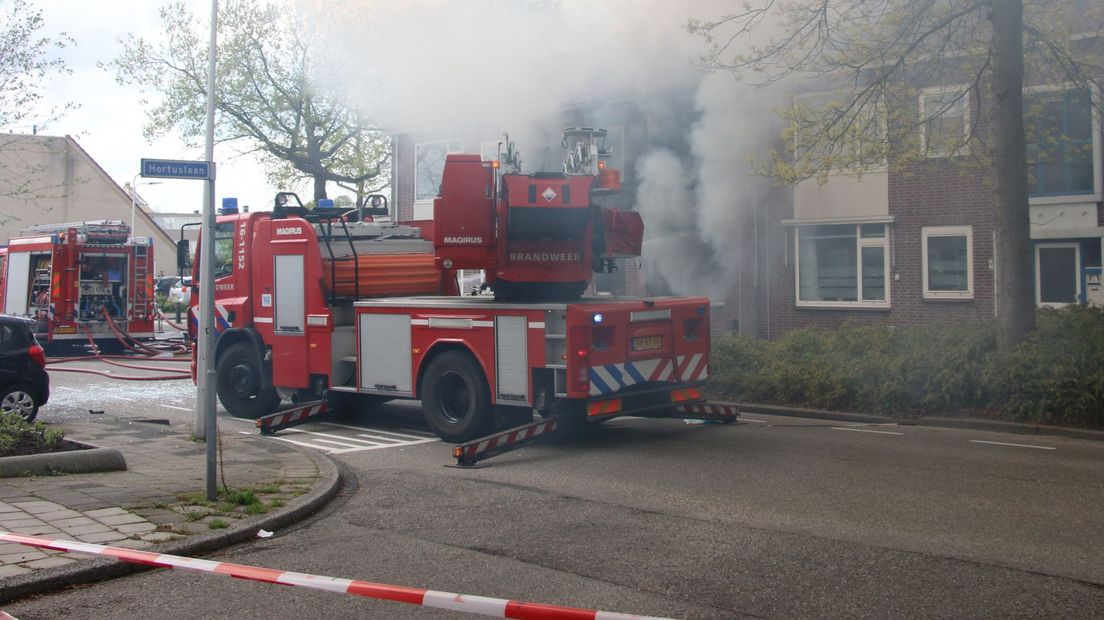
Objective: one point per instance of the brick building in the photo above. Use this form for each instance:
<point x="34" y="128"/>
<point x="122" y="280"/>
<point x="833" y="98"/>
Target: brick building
<point x="914" y="243"/>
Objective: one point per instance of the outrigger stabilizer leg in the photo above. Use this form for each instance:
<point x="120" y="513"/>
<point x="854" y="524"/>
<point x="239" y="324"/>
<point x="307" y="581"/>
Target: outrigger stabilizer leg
<point x="470" y="453"/>
<point x="302" y="414"/>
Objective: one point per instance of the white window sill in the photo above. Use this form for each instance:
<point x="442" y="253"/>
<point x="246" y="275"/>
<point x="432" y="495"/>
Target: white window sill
<point x="842" y="305"/>
<point x="949" y="297"/>
<point x="1063" y="200"/>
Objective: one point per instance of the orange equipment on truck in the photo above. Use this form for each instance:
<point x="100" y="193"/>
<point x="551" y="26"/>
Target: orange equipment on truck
<point x="75" y="279"/>
<point x="310" y="305"/>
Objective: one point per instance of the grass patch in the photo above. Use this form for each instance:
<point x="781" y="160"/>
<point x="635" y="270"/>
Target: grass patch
<point x="218" y="524"/>
<point x="277" y="503"/>
<point x="194" y="515"/>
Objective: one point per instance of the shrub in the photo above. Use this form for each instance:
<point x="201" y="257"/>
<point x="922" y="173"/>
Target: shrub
<point x="18" y="436"/>
<point x="1056" y="375"/>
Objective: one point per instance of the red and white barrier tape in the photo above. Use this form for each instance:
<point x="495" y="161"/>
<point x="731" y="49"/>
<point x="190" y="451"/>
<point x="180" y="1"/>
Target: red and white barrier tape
<point x="482" y="605"/>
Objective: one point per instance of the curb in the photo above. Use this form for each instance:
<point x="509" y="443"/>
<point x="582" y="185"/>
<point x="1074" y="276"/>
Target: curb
<point x="90" y="459"/>
<point x="975" y="424"/>
<point x="88" y="571"/>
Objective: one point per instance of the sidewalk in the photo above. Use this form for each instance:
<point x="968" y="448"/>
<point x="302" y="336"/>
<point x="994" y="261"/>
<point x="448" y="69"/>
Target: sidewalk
<point x="158" y="503"/>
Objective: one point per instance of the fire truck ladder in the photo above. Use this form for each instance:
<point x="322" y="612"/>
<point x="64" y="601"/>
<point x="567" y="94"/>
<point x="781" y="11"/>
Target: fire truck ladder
<point x="137" y="292"/>
<point x="469" y="454"/>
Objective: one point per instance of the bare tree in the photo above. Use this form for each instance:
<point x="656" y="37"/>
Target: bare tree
<point x="269" y="92"/>
<point x="868" y="59"/>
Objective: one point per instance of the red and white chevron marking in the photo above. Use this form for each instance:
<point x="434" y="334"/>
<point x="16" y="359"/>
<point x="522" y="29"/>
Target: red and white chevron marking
<point x="692" y="367"/>
<point x="292" y="415"/>
<point x="481" y="605"/>
<point x="709" y="409"/>
<point x="507" y="438"/>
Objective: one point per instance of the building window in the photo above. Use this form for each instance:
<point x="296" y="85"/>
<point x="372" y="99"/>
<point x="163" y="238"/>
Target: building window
<point x="429" y="163"/>
<point x="947" y="254"/>
<point x="843" y="265"/>
<point x="1057" y="274"/>
<point x="944" y="121"/>
<point x="1058" y="127"/>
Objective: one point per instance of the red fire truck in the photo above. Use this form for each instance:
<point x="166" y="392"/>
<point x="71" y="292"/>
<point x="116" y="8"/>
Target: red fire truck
<point x="311" y="305"/>
<point x="75" y="279"/>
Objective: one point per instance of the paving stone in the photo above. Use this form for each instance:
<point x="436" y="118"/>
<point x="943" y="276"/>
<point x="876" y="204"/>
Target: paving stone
<point x="102" y="537"/>
<point x="29" y="554"/>
<point x="136" y="528"/>
<point x="48" y="563"/>
<point x="80" y="530"/>
<point x="38" y="506"/>
<point x="5" y="507"/>
<point x="133" y="544"/>
<point x="160" y="537"/>
<point x="58" y="515"/>
<point x="125" y="519"/>
<point x="74" y="522"/>
<point x="19" y="524"/>
<point x="106" y="512"/>
<point x="13" y="570"/>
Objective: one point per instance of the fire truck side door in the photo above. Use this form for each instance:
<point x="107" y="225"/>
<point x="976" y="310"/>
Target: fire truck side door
<point x="16" y="288"/>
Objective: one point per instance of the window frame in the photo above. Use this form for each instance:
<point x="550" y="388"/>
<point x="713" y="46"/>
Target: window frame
<point x="964" y="149"/>
<point x="860" y="243"/>
<point x="1097" y="194"/>
<point x="928" y="232"/>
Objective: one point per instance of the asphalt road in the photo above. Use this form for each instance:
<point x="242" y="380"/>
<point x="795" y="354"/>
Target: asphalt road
<point x="773" y="517"/>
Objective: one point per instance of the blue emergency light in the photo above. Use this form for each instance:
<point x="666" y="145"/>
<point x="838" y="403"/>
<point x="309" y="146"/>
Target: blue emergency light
<point x="229" y="206"/>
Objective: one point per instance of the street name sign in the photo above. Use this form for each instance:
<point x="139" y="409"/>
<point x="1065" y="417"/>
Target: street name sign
<point x="177" y="169"/>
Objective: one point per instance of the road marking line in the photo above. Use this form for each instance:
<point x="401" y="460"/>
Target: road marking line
<point x="129" y="400"/>
<point x="863" y="430"/>
<point x="62" y="387"/>
<point x="381" y="441"/>
<point x="397" y="445"/>
<point x="326" y="449"/>
<point x="756" y="421"/>
<point x="1014" y="445"/>
<point x="338" y="437"/>
<point x="858" y="424"/>
<point x="409" y="433"/>
<point x="337" y="443"/>
<point x="177" y="408"/>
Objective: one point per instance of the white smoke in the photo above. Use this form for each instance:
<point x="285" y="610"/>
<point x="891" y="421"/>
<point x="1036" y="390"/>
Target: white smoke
<point x="518" y="63"/>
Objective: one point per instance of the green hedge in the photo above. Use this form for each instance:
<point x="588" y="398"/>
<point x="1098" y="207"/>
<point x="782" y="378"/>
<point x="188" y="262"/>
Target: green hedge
<point x="1055" y="376"/>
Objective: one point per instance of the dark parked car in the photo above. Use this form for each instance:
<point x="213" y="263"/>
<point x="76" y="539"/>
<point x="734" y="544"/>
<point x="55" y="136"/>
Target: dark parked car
<point x="24" y="384"/>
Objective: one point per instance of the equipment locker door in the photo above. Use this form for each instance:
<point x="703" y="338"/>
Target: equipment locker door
<point x="289" y="342"/>
<point x="15" y="292"/>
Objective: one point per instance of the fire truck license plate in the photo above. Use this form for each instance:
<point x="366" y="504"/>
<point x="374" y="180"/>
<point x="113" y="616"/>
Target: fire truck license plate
<point x="645" y="343"/>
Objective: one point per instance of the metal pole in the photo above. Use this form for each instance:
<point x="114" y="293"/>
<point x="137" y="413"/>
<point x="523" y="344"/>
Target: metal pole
<point x="133" y="201"/>
<point x="205" y="372"/>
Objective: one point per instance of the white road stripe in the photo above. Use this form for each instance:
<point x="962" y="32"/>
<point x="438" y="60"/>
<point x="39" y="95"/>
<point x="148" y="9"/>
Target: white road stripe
<point x="408" y="433"/>
<point x="327" y="449"/>
<point x="863" y="430"/>
<point x="62" y="387"/>
<point x="177" y="408"/>
<point x="336" y="443"/>
<point x="397" y="445"/>
<point x="1014" y="445"/>
<point x="338" y="437"/>
<point x="129" y="400"/>
<point x="743" y="419"/>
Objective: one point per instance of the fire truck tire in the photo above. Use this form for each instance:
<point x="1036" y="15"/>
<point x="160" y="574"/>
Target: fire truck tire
<point x="455" y="400"/>
<point x="239" y="384"/>
<point x="21" y="400"/>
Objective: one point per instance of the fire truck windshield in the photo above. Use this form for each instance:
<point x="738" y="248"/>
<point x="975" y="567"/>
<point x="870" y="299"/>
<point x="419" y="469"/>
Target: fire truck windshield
<point x="224" y="249"/>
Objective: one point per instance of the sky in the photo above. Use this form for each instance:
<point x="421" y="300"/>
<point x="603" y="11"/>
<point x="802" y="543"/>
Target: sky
<point x="108" y="122"/>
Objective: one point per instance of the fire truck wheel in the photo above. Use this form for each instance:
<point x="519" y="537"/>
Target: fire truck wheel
<point x="455" y="399"/>
<point x="20" y="400"/>
<point x="239" y="384"/>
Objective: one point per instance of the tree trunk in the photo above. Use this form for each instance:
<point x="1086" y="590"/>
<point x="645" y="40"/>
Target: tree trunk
<point x="1014" y="294"/>
<point x="320" y="188"/>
